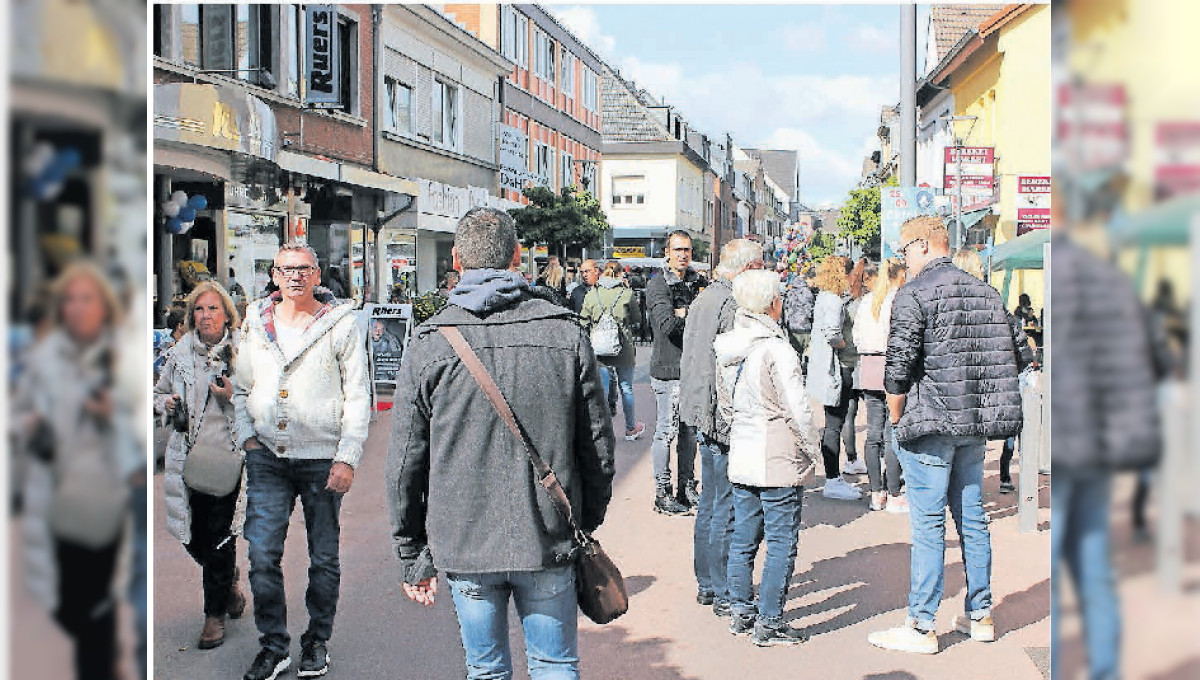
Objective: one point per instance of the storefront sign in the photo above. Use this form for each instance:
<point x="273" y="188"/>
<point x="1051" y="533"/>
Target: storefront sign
<point x="1176" y="158"/>
<point x="629" y="251"/>
<point x="215" y="116"/>
<point x="897" y="205"/>
<point x="322" y="58"/>
<point x="1033" y="203"/>
<point x="514" y="158"/>
<point x="976" y="171"/>
<point x="1092" y="129"/>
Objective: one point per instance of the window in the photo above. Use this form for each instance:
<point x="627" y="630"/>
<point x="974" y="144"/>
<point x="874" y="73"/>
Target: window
<point x="589" y="94"/>
<point x="399" y="110"/>
<point x="566" y="174"/>
<point x="542" y="164"/>
<point x="289" y="49"/>
<point x="514" y="41"/>
<point x="348" y="50"/>
<point x="236" y="39"/>
<point x="445" y="114"/>
<point x="568" y="73"/>
<point x="543" y="56"/>
<point x="629" y="190"/>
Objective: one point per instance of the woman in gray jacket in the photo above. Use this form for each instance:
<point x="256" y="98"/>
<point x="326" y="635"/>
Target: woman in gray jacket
<point x="830" y="380"/>
<point x="760" y="391"/>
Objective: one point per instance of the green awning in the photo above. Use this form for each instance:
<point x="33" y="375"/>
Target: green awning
<point x="1165" y="224"/>
<point x="1022" y="252"/>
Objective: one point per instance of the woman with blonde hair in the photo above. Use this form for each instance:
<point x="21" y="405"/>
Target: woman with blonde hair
<point x="830" y="379"/>
<point x="195" y="392"/>
<point x="871" y="324"/>
<point x="82" y="458"/>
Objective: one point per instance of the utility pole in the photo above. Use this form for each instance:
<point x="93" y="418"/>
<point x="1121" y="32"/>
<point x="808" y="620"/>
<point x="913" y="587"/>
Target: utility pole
<point x="908" y="96"/>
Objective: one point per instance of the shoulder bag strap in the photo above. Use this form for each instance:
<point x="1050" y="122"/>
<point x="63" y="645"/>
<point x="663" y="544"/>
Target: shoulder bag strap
<point x="545" y="475"/>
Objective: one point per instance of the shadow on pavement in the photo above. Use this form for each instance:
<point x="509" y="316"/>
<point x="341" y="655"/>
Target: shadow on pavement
<point x="636" y="584"/>
<point x="608" y="652"/>
<point x="891" y="675"/>
<point x="1188" y="670"/>
<point x="819" y="510"/>
<point x="860" y="585"/>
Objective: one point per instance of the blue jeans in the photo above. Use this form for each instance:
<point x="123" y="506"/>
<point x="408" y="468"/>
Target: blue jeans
<point x="272" y="484"/>
<point x="714" y="519"/>
<point x="1079" y="508"/>
<point x="137" y="573"/>
<point x="546" y="603"/>
<point x="666" y="427"/>
<point x="772" y="514"/>
<point x="941" y="471"/>
<point x="625" y="385"/>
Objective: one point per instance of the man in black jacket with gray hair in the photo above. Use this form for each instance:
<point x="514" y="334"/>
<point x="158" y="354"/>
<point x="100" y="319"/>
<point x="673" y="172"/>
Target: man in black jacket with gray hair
<point x="462" y="493"/>
<point x="951" y="377"/>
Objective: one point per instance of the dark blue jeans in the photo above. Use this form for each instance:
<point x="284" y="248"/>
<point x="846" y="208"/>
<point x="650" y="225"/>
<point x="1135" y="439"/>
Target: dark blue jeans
<point x="714" y="519"/>
<point x="272" y="485"/>
<point x="772" y="514"/>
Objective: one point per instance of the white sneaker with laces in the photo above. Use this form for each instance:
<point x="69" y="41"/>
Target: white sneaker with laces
<point x="905" y="639"/>
<point x="982" y="630"/>
<point x="855" y="467"/>
<point x="839" y="489"/>
<point x="897" y="505"/>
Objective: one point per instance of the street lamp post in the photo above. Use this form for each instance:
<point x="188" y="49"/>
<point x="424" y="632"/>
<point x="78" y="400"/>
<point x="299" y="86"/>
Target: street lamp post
<point x="953" y="123"/>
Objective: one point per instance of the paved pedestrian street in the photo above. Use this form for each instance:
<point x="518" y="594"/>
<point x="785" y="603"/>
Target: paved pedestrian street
<point x="850" y="578"/>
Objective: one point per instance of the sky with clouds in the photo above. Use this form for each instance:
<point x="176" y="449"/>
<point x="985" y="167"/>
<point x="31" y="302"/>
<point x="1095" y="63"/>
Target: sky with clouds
<point x="806" y="77"/>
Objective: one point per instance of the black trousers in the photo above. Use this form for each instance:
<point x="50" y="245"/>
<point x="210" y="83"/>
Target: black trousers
<point x="86" y="609"/>
<point x="835" y="419"/>
<point x="213" y="548"/>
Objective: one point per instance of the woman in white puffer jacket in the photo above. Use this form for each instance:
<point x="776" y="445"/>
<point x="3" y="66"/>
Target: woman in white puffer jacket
<point x="760" y="391"/>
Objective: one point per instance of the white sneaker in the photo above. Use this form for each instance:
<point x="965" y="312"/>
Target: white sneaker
<point x="897" y="505"/>
<point x="905" y="639"/>
<point x="983" y="630"/>
<point x="855" y="467"/>
<point x="839" y="490"/>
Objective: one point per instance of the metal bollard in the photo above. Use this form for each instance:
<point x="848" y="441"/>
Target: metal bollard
<point x="1172" y="485"/>
<point x="1029" y="447"/>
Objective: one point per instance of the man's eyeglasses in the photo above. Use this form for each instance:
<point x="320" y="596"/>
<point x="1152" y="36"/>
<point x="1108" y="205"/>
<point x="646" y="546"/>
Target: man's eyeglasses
<point x="904" y="248"/>
<point x="304" y="270"/>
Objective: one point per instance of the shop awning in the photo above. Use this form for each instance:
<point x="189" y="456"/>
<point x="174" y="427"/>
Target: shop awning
<point x="1165" y="224"/>
<point x="1022" y="252"/>
<point x="215" y="116"/>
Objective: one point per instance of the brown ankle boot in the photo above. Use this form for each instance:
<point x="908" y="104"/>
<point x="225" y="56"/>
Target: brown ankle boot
<point x="237" y="602"/>
<point x="213" y="634"/>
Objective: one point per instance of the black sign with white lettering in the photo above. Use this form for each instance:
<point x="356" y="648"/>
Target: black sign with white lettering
<point x="321" y="66"/>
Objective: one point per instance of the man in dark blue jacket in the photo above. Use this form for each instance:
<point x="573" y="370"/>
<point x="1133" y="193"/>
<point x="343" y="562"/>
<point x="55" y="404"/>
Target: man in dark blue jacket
<point x="463" y="496"/>
<point x="951" y="377"/>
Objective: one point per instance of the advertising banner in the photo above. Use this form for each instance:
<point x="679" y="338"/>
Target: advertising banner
<point x="1033" y="203"/>
<point x="1176" y="158"/>
<point x="977" y="171"/>
<point x="514" y="158"/>
<point x="322" y="67"/>
<point x="897" y="205"/>
<point x="387" y="333"/>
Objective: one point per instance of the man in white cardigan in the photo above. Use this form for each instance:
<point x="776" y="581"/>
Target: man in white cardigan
<point x="302" y="406"/>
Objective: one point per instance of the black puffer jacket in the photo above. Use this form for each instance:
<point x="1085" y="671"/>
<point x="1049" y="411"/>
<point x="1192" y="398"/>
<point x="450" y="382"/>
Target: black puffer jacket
<point x="664" y="294"/>
<point x="1102" y="398"/>
<point x="954" y="352"/>
<point x="458" y="481"/>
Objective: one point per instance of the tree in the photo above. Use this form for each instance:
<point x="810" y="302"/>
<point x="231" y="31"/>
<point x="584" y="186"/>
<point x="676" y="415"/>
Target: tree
<point x="822" y="245"/>
<point x="559" y="220"/>
<point x="860" y="219"/>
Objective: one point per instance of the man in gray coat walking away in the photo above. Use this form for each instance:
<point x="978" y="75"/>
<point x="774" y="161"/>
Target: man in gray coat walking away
<point x="712" y="313"/>
<point x="463" y="495"/>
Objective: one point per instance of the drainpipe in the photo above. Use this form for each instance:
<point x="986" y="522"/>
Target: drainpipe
<point x="377" y="72"/>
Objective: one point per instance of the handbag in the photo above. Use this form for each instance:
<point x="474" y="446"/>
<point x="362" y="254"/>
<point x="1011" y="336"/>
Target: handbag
<point x="870" y="371"/>
<point x="598" y="582"/>
<point x="90" y="504"/>
<point x="212" y="467"/>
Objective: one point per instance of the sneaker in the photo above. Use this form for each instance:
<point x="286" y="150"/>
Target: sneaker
<point x="638" y="430"/>
<point x="1007" y="487"/>
<point x="314" y="660"/>
<point x="691" y="494"/>
<point x="905" y="639"/>
<point x="705" y="598"/>
<point x="897" y="505"/>
<point x="777" y="637"/>
<point x="741" y="624"/>
<point x="665" y="504"/>
<point x="267" y="665"/>
<point x="839" y="489"/>
<point x="878" y="500"/>
<point x="855" y="467"/>
<point x="721" y="608"/>
<point x="981" y="630"/>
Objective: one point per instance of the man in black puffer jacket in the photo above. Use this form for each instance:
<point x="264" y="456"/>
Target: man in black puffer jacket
<point x="951" y="378"/>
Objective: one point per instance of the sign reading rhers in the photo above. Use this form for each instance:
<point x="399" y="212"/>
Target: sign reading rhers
<point x="322" y="57"/>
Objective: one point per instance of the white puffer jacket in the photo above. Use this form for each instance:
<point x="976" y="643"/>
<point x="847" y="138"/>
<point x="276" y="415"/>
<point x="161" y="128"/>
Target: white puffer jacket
<point x="871" y="334"/>
<point x="760" y="391"/>
<point x="316" y="405"/>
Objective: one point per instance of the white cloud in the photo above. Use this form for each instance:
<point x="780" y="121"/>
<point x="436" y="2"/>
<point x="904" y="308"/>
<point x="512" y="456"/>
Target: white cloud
<point x="832" y="166"/>
<point x="583" y="23"/>
<point x="801" y="37"/>
<point x="873" y="39"/>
